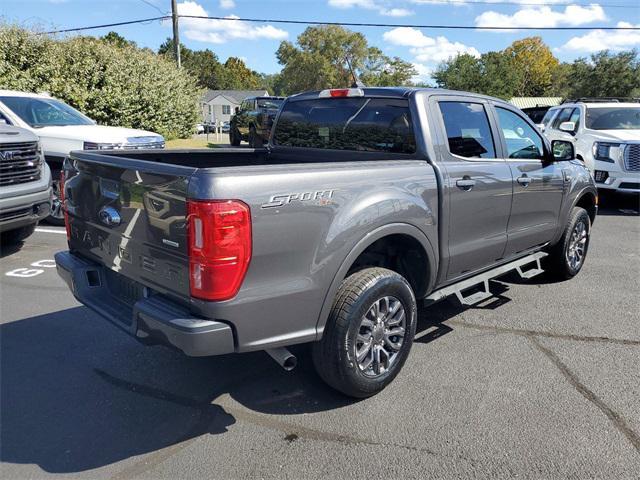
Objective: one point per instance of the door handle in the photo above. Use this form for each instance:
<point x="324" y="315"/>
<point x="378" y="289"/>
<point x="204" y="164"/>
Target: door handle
<point x="524" y="181"/>
<point x="466" y="183"/>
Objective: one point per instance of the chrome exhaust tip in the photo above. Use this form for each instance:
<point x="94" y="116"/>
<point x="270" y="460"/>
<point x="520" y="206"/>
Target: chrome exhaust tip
<point x="283" y="357"/>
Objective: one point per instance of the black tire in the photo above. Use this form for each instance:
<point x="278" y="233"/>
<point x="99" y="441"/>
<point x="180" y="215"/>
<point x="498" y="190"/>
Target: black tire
<point x="57" y="216"/>
<point x="254" y="140"/>
<point x="19" y="234"/>
<point x="334" y="357"/>
<point x="561" y="263"/>
<point x="234" y="137"/>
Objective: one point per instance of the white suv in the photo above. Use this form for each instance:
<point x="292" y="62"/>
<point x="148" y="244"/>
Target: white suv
<point x="62" y="129"/>
<point x="606" y="137"/>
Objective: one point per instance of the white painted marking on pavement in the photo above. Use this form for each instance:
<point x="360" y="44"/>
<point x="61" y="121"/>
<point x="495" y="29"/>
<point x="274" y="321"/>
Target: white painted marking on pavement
<point x="50" y="230"/>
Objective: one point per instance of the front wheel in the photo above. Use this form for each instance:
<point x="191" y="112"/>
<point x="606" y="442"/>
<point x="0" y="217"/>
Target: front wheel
<point x="56" y="217"/>
<point x="566" y="258"/>
<point x="369" y="333"/>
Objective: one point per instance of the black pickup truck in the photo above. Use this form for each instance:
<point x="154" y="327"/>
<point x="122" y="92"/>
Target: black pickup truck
<point x="253" y="120"/>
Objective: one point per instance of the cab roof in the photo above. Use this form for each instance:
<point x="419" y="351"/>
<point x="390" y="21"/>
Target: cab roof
<point x="400" y="92"/>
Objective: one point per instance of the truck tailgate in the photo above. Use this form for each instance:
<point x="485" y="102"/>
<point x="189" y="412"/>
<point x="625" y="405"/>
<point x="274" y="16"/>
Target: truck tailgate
<point x="130" y="216"/>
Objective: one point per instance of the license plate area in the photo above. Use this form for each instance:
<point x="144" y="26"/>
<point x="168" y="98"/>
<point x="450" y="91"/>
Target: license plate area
<point x="125" y="290"/>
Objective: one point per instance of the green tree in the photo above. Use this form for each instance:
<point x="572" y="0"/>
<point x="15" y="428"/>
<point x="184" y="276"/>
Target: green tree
<point x="237" y="76"/>
<point x="605" y="74"/>
<point x="115" y="84"/>
<point x="118" y="40"/>
<point x="534" y="65"/>
<point x="462" y="72"/>
<point x="319" y="60"/>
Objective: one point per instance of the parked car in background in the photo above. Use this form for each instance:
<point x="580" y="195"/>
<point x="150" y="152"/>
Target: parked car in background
<point x="367" y="201"/>
<point x="25" y="184"/>
<point x="62" y="128"/>
<point x="199" y="129"/>
<point x="536" y="114"/>
<point x="253" y="120"/>
<point x="225" y="127"/>
<point x="606" y="136"/>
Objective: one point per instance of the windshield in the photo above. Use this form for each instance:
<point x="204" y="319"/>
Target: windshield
<point x="44" y="112"/>
<point x="270" y="103"/>
<point x="362" y="124"/>
<point x="613" y="118"/>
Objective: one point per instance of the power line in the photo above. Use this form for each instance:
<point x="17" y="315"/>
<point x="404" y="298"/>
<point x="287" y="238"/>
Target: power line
<point x="395" y="25"/>
<point x="154" y="6"/>
<point x="105" y="25"/>
<point x="530" y="4"/>
<point x="346" y="24"/>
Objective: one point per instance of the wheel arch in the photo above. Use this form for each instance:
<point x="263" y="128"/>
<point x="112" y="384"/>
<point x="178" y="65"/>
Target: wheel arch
<point x="388" y="236"/>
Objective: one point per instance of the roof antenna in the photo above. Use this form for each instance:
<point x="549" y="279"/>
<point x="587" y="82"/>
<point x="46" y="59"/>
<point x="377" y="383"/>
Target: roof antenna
<point x="356" y="82"/>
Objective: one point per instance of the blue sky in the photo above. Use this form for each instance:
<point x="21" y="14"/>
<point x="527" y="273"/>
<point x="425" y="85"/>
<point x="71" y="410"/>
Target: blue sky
<point x="257" y="43"/>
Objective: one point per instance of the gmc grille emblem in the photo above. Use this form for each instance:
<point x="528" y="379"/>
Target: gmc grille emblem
<point x="9" y="154"/>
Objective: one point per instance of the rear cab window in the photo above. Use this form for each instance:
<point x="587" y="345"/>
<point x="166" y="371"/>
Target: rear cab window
<point x="468" y="129"/>
<point x="363" y="124"/>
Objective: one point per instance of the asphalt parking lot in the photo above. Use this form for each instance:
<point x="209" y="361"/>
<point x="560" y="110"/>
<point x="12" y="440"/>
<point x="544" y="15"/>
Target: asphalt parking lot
<point x="543" y="382"/>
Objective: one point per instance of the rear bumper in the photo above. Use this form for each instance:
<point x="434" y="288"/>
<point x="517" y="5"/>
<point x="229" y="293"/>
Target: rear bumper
<point x="152" y="320"/>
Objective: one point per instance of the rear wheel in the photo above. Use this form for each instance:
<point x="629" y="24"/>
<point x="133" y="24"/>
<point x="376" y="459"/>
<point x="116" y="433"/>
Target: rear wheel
<point x="234" y="137"/>
<point x="567" y="257"/>
<point x="369" y="333"/>
<point x="254" y="140"/>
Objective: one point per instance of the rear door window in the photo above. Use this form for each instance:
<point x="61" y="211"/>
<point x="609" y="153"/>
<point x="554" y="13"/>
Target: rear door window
<point x="468" y="130"/>
<point x="359" y="124"/>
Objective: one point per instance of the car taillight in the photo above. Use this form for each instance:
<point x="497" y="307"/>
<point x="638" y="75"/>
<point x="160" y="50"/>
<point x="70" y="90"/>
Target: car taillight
<point x="341" y="92"/>
<point x="219" y="247"/>
<point x="62" y="206"/>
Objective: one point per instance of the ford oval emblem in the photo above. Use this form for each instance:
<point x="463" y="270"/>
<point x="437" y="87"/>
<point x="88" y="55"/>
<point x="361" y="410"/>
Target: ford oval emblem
<point x="109" y="216"/>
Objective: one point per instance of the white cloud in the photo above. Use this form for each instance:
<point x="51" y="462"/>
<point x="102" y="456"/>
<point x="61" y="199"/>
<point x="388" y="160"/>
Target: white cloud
<point x="597" y="40"/>
<point x="427" y="49"/>
<point x="395" y="12"/>
<point x="352" y="3"/>
<point x="423" y="73"/>
<point x="379" y="5"/>
<point x="543" y="16"/>
<point x="227" y="4"/>
<point x="221" y="31"/>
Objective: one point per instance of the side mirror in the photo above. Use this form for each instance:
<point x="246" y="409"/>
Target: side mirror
<point x="540" y="126"/>
<point x="562" y="150"/>
<point x="568" y="127"/>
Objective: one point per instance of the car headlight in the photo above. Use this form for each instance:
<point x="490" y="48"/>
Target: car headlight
<point x="602" y="151"/>
<point x="99" y="146"/>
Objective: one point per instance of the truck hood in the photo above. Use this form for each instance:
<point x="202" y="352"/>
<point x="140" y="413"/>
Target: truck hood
<point x="621" y="135"/>
<point x="93" y="133"/>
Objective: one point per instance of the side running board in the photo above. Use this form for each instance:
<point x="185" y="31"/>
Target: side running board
<point x="482" y="280"/>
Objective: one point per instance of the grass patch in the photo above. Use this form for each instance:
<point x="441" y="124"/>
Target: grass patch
<point x="195" y="142"/>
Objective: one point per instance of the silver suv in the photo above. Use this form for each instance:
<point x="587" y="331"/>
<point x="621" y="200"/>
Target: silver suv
<point x="25" y="184"/>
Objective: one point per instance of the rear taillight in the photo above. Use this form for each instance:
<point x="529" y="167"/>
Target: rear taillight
<point x="62" y="206"/>
<point x="219" y="247"/>
<point x="341" y="92"/>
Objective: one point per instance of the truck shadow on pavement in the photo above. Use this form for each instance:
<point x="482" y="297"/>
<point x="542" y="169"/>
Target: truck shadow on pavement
<point x="77" y="394"/>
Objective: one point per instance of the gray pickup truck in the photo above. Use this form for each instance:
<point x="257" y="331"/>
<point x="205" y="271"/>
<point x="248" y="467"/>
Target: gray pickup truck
<point x="364" y="202"/>
<point x="25" y="184"/>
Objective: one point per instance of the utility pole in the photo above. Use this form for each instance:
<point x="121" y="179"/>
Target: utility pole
<point x="176" y="34"/>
